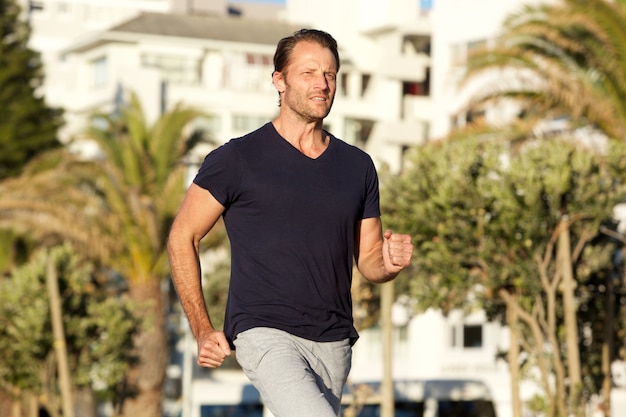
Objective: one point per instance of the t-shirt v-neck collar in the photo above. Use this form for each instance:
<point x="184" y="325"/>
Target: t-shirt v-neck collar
<point x="285" y="142"/>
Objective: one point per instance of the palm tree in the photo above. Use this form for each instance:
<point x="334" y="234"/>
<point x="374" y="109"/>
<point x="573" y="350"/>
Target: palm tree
<point x="142" y="181"/>
<point x="560" y="60"/>
<point x="117" y="209"/>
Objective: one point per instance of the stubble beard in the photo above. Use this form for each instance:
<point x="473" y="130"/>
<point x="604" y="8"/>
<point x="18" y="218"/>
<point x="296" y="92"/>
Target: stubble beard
<point x="301" y="106"/>
<point x="309" y="113"/>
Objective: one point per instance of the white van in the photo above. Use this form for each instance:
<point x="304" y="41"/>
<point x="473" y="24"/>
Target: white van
<point x="422" y="398"/>
<point x="413" y="398"/>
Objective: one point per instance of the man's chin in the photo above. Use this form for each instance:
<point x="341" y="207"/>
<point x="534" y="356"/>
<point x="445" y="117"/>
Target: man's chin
<point x="324" y="113"/>
<point x="316" y="116"/>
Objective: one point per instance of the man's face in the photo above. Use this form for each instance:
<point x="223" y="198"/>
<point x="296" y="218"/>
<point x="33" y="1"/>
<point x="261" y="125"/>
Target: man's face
<point x="308" y="82"/>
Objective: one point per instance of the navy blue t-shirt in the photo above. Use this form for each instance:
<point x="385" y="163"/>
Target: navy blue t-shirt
<point x="292" y="223"/>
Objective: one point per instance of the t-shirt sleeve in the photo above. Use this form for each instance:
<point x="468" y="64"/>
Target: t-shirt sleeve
<point x="371" y="207"/>
<point x="219" y="173"/>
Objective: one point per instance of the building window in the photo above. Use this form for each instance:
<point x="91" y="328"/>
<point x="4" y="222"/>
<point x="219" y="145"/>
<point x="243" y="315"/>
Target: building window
<point x="416" y="44"/>
<point x="343" y="84"/>
<point x="208" y="123"/>
<point x="365" y="82"/>
<point x="258" y="59"/>
<point x="347" y="83"/>
<point x="472" y="336"/>
<point x="248" y="71"/>
<point x="357" y="131"/>
<point x="99" y="72"/>
<point x="467" y="336"/>
<point x="410" y="88"/>
<point x="35" y="6"/>
<point x="173" y="68"/>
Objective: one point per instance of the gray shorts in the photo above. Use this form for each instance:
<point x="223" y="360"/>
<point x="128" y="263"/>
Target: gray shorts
<point x="296" y="377"/>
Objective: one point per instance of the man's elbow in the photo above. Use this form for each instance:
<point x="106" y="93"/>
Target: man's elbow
<point x="177" y="239"/>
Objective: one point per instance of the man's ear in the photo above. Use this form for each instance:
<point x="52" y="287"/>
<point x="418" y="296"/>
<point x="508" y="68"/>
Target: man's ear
<point x="279" y="81"/>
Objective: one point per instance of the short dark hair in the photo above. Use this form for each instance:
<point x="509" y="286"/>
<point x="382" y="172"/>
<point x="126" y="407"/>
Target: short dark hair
<point x="285" y="46"/>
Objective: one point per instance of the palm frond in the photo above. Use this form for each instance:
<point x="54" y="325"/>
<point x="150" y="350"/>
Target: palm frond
<point x="570" y="59"/>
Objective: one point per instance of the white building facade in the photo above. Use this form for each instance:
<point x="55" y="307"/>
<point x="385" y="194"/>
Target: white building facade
<point x="221" y="63"/>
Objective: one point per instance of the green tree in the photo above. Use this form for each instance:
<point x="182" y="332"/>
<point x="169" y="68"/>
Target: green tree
<point x="27" y="125"/>
<point x="560" y="60"/>
<point x="118" y="210"/>
<point x="98" y="327"/>
<point x="488" y="221"/>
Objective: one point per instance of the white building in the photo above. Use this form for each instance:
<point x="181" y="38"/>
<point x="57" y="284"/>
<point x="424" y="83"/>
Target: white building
<point x="221" y="63"/>
<point x="393" y="93"/>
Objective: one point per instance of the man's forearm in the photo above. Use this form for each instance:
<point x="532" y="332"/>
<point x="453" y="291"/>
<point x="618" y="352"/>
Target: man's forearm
<point x="186" y="275"/>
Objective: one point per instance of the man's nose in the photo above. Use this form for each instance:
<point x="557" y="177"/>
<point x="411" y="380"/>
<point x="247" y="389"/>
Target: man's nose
<point x="321" y="82"/>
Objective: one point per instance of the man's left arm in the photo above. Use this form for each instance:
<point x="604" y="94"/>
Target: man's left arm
<point x="381" y="256"/>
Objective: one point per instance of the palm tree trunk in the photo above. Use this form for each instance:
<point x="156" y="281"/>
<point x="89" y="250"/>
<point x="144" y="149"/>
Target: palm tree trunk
<point x="145" y="380"/>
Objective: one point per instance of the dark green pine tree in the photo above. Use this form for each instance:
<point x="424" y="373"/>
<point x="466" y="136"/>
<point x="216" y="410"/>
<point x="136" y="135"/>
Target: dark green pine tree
<point x="27" y="125"/>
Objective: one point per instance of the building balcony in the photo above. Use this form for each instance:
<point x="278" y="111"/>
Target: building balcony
<point x="407" y="68"/>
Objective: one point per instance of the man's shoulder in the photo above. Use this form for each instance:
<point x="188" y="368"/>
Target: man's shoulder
<point x="263" y="131"/>
<point x="350" y="149"/>
<point x="252" y="138"/>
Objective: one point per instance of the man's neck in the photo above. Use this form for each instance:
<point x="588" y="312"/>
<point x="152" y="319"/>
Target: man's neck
<point x="308" y="138"/>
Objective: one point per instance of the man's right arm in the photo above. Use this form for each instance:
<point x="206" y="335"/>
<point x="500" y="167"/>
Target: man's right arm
<point x="196" y="217"/>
